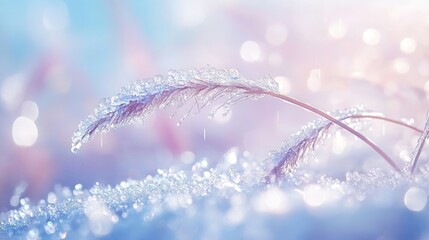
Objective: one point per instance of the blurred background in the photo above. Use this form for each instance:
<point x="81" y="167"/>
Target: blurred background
<point x="58" y="59"/>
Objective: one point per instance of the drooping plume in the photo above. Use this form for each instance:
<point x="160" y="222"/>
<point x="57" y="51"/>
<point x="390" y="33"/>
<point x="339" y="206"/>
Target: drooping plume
<point x="198" y="86"/>
<point x="289" y="156"/>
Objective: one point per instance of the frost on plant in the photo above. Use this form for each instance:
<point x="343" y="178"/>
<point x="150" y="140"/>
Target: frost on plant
<point x="233" y="193"/>
<point x="287" y="158"/>
<point x="198" y="86"/>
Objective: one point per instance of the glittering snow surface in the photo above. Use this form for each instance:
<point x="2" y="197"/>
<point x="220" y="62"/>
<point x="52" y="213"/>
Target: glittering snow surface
<point x="234" y="198"/>
<point x="226" y="200"/>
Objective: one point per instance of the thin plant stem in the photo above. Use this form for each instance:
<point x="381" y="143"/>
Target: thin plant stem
<point x="389" y="120"/>
<point x="315" y="110"/>
<point x="419" y="147"/>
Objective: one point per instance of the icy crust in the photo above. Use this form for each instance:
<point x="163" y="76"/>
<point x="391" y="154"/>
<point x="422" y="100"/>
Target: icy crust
<point x="96" y="212"/>
<point x="78" y="206"/>
<point x="199" y="86"/>
<point x="290" y="155"/>
<point x="100" y="207"/>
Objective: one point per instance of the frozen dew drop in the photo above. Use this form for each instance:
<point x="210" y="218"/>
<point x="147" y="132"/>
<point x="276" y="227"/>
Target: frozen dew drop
<point x="415" y="199"/>
<point x="76" y="146"/>
<point x="231" y="156"/>
<point x="409" y="121"/>
<point x="204" y="163"/>
<point x="124" y="184"/>
<point x="250" y="51"/>
<point x="78" y="189"/>
<point x="78" y="186"/>
<point x="207" y="174"/>
<point x="33" y="234"/>
<point x="52" y="198"/>
<point x="137" y="206"/>
<point x="49" y="228"/>
<point x="24" y="202"/>
<point x="62" y="235"/>
<point x="196" y="167"/>
<point x="371" y="36"/>
<point x="234" y="74"/>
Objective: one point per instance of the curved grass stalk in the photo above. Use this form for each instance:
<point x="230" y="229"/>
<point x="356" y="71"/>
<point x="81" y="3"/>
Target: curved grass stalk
<point x="393" y="121"/>
<point x="286" y="159"/>
<point x="339" y="123"/>
<point x="178" y="87"/>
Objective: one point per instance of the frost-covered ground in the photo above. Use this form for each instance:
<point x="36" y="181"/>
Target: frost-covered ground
<point x="228" y="202"/>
